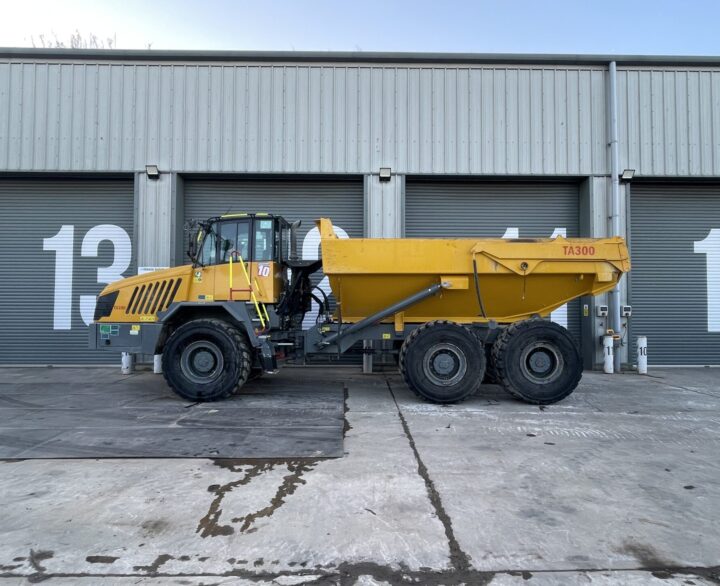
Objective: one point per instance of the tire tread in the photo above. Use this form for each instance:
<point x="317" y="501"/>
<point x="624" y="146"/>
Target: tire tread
<point x="500" y="365"/>
<point x="242" y="355"/>
<point x="408" y="343"/>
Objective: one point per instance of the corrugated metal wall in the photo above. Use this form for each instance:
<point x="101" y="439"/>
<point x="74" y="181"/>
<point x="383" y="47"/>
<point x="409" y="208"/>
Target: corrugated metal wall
<point x="669" y="121"/>
<point x="302" y="118"/>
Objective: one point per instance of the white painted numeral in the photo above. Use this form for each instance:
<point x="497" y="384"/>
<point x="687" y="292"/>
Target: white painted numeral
<point x="62" y="245"/>
<point x="560" y="315"/>
<point x="311" y="251"/>
<point x="105" y="275"/>
<point x="710" y="246"/>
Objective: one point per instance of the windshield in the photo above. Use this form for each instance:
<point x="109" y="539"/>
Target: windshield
<point x="225" y="239"/>
<point x="234" y="240"/>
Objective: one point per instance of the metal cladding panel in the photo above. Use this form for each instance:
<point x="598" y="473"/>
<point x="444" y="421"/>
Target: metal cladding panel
<point x="470" y="209"/>
<point x="668" y="121"/>
<point x="675" y="279"/>
<point x="62" y="240"/>
<point x="302" y="118"/>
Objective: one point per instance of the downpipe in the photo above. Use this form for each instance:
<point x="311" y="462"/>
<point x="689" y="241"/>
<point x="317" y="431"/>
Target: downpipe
<point x="614" y="295"/>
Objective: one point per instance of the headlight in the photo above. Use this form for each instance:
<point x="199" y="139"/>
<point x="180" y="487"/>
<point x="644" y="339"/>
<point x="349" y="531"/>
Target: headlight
<point x="104" y="305"/>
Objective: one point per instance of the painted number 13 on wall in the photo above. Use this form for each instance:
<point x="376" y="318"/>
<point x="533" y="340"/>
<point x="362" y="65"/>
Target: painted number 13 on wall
<point x="62" y="244"/>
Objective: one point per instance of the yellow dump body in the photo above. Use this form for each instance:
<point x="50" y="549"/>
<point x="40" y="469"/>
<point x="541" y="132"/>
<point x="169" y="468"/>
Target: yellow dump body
<point x="517" y="278"/>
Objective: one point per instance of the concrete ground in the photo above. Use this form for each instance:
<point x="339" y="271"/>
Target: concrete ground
<point x="618" y="484"/>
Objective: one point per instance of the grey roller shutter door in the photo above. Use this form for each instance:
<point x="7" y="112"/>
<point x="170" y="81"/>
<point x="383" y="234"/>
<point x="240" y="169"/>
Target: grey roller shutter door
<point x="305" y="200"/>
<point x="676" y="272"/>
<point x="55" y="234"/>
<point x="294" y="199"/>
<point x="459" y="209"/>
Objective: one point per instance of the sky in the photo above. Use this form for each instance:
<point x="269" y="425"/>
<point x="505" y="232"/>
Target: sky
<point x="660" y="27"/>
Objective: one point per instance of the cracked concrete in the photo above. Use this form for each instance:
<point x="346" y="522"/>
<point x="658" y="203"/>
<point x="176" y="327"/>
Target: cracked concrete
<point x="619" y="484"/>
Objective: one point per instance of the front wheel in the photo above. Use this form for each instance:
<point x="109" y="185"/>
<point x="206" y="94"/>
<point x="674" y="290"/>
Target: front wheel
<point x="537" y="361"/>
<point x="442" y="362"/>
<point x="206" y="360"/>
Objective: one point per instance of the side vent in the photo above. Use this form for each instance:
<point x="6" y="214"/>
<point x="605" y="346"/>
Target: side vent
<point x="174" y="292"/>
<point x="137" y="296"/>
<point x="153" y="297"/>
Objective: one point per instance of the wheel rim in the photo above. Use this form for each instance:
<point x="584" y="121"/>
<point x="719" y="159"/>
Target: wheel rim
<point x="444" y="364"/>
<point x="541" y="363"/>
<point x="201" y="362"/>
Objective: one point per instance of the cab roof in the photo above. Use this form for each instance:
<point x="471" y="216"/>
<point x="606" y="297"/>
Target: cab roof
<point x="240" y="215"/>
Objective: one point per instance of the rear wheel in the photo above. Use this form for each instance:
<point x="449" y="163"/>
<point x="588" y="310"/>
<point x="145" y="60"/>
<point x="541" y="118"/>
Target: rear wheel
<point x="206" y="360"/>
<point x="442" y="362"/>
<point x="537" y="361"/>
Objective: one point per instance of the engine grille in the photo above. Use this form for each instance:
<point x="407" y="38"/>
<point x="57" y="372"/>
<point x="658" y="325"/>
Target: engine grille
<point x="152" y="297"/>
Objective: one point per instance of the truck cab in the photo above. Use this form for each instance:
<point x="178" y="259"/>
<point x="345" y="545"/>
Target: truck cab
<point x="259" y="241"/>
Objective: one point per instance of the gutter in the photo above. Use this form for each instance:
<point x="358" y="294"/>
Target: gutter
<point x="354" y="57"/>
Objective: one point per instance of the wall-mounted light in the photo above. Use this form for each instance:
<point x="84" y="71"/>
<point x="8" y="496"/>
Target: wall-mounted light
<point x="152" y="171"/>
<point x="627" y="175"/>
<point x="385" y="173"/>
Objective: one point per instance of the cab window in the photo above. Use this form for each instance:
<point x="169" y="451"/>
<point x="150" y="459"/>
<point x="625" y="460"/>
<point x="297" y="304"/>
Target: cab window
<point x="264" y="240"/>
<point x="207" y="254"/>
<point x="234" y="240"/>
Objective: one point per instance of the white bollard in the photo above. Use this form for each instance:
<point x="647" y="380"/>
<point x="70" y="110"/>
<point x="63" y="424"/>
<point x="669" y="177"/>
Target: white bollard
<point x="157" y="363"/>
<point x="367" y="366"/>
<point x="126" y="363"/>
<point x="608" y="357"/>
<point x="642" y="354"/>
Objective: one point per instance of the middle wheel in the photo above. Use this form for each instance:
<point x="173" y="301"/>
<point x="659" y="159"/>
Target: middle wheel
<point x="442" y="362"/>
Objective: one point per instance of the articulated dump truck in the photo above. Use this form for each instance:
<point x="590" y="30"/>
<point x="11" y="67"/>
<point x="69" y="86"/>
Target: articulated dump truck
<point x="455" y="312"/>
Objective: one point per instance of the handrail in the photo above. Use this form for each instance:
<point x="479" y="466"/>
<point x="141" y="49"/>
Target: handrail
<point x="262" y="314"/>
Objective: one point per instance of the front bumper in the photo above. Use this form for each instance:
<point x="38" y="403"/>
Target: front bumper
<point x="124" y="337"/>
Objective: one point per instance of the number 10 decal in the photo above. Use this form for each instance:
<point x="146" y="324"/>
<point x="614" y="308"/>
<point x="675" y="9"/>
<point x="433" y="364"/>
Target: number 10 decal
<point x="63" y="246"/>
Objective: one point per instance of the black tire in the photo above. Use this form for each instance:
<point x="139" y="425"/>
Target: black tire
<point x="442" y="362"/>
<point x="491" y="377"/>
<point x="537" y="361"/>
<point x="206" y="360"/>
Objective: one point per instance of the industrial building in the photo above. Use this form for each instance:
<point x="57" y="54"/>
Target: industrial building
<point x="105" y="154"/>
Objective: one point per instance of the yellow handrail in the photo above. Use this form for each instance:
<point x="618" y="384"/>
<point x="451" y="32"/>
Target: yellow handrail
<point x="262" y="313"/>
<point x="264" y="307"/>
